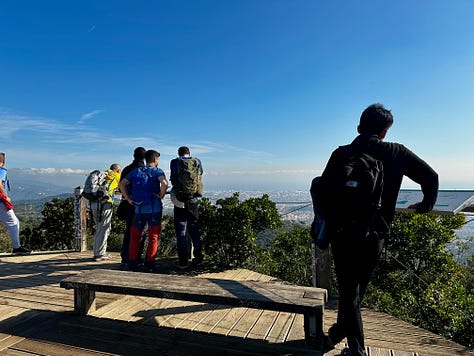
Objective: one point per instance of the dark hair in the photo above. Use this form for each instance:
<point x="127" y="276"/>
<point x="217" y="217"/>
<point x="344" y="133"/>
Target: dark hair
<point x="150" y="156"/>
<point x="375" y="119"/>
<point x="183" y="150"/>
<point x="2" y="157"/>
<point x="139" y="154"/>
<point x="114" y="166"/>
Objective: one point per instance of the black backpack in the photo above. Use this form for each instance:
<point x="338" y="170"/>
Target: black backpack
<point x="350" y="193"/>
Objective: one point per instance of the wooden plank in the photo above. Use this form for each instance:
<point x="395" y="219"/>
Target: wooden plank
<point x="45" y="273"/>
<point x="159" y="315"/>
<point x="52" y="349"/>
<point x="375" y="351"/>
<point x="211" y="322"/>
<point x="172" y="316"/>
<point x="281" y="327"/>
<point x="263" y="324"/>
<point x="246" y="322"/>
<point x="7" y="311"/>
<point x="7" y="340"/>
<point x="296" y="330"/>
<point x="149" y="305"/>
<point x="196" y="313"/>
<point x="216" y="291"/>
<point x="225" y="322"/>
<point x="110" y="336"/>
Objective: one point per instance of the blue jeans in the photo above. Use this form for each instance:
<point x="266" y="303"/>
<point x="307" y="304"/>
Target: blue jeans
<point x="186" y="223"/>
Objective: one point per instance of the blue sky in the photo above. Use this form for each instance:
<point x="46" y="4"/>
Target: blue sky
<point x="262" y="91"/>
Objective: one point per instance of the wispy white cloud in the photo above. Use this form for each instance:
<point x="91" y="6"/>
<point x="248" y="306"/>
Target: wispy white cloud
<point x="41" y="142"/>
<point x="14" y="123"/>
<point x="52" y="171"/>
<point x="89" y="115"/>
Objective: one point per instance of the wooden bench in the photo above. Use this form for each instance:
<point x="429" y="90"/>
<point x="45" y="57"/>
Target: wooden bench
<point x="308" y="301"/>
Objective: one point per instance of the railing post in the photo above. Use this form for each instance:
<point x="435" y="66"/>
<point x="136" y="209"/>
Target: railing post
<point x="80" y="220"/>
<point x="323" y="268"/>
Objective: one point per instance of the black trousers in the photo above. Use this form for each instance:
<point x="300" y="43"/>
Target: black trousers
<point x="355" y="259"/>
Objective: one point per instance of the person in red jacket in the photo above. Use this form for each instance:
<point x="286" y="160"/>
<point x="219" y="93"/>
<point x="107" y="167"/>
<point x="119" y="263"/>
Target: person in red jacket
<point x="7" y="215"/>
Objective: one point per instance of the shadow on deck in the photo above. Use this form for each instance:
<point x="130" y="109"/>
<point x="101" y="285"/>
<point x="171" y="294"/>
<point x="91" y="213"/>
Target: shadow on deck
<point x="36" y="319"/>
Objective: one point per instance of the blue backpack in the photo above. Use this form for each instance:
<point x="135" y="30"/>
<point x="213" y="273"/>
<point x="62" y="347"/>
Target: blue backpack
<point x="143" y="186"/>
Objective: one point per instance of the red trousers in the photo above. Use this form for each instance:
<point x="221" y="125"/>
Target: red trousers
<point x="152" y="249"/>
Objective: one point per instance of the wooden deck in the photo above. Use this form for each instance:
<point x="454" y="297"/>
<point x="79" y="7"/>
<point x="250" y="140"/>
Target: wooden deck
<point x="36" y="318"/>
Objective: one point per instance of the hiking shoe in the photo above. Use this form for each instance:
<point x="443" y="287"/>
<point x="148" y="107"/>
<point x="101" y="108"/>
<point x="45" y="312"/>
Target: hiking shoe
<point x="346" y="352"/>
<point x="328" y="344"/>
<point x="335" y="334"/>
<point x="123" y="266"/>
<point x="142" y="269"/>
<point x="197" y="261"/>
<point x="181" y="266"/>
<point x="21" y="251"/>
<point x="102" y="258"/>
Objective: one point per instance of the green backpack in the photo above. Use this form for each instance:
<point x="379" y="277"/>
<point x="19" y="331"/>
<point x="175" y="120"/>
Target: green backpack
<point x="189" y="184"/>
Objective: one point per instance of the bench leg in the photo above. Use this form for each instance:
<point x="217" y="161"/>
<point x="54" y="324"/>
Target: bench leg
<point x="313" y="327"/>
<point x="84" y="301"/>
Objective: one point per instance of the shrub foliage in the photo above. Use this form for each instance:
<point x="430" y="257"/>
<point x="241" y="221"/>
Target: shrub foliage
<point x="229" y="228"/>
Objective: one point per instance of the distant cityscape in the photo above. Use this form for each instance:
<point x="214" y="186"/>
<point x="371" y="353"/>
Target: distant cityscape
<point x="293" y="206"/>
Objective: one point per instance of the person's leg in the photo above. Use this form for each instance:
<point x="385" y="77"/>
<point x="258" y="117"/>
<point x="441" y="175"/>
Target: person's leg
<point x="154" y="229"/>
<point x="143" y="241"/>
<point x="192" y="215"/>
<point x="95" y="210"/>
<point x="135" y="237"/>
<point x="103" y="228"/>
<point x="126" y="235"/>
<point x="180" y="226"/>
<point x="372" y="247"/>
<point x="9" y="218"/>
<point x="347" y="258"/>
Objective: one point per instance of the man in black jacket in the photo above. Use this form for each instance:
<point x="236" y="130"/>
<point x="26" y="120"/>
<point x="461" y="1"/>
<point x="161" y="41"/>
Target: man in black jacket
<point x="356" y="258"/>
<point x="138" y="161"/>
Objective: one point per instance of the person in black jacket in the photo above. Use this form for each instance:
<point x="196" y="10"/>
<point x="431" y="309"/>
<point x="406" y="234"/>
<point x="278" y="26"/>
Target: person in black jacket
<point x="138" y="161"/>
<point x="355" y="258"/>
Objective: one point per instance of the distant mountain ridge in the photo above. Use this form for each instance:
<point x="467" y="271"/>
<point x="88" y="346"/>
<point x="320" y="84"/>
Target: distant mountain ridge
<point x="30" y="191"/>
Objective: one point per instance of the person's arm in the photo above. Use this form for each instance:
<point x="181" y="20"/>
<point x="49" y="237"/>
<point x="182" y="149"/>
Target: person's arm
<point x="421" y="172"/>
<point x="3" y="178"/>
<point x="201" y="170"/>
<point x="173" y="170"/>
<point x="3" y="193"/>
<point x="163" y="186"/>
<point x="123" y="188"/>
